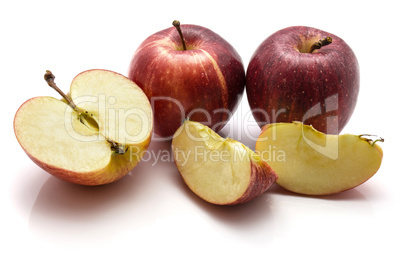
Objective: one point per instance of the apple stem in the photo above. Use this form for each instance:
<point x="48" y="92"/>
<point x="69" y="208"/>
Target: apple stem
<point x="380" y="139"/>
<point x="320" y="43"/>
<point x="176" y="24"/>
<point x="49" y="77"/>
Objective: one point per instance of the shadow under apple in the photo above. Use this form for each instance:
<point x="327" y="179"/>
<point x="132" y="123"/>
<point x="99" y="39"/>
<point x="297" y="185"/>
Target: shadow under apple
<point x="89" y="213"/>
<point x="348" y="195"/>
<point x="242" y="216"/>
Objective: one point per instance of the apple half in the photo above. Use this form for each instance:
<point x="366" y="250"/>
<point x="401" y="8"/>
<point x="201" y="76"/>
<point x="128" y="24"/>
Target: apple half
<point x="94" y="136"/>
<point x="220" y="171"/>
<point x="313" y="163"/>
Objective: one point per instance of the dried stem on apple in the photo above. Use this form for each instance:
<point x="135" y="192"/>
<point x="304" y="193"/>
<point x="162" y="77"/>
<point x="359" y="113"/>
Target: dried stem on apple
<point x="380" y="139"/>
<point x="320" y="43"/>
<point x="176" y="24"/>
<point x="49" y="77"/>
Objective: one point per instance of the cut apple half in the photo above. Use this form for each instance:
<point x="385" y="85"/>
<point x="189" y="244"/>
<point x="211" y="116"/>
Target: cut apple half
<point x="310" y="162"/>
<point x="95" y="135"/>
<point x="220" y="171"/>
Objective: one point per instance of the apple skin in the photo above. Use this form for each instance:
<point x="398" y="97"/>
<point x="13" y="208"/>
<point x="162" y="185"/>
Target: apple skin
<point x="261" y="179"/>
<point x="286" y="85"/>
<point x="204" y="83"/>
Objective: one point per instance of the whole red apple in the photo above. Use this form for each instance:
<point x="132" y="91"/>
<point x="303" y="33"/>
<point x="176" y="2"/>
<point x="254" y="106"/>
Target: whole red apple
<point x="303" y="74"/>
<point x="188" y="71"/>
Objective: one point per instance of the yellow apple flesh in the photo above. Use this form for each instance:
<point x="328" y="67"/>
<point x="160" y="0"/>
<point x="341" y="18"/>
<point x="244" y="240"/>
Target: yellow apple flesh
<point x="310" y="162"/>
<point x="220" y="171"/>
<point x="99" y="142"/>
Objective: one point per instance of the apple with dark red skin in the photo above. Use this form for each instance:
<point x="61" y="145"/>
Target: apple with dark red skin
<point x="303" y="74"/>
<point x="188" y="71"/>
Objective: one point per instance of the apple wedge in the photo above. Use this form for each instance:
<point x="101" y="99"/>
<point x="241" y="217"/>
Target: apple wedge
<point x="93" y="136"/>
<point x="310" y="162"/>
<point x="220" y="171"/>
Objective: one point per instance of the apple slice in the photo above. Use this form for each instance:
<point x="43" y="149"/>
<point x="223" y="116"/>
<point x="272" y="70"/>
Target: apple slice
<point x="94" y="136"/>
<point x="220" y="171"/>
<point x="310" y="162"/>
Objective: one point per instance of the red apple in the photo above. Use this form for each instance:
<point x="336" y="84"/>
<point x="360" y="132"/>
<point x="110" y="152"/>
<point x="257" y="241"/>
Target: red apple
<point x="303" y="74"/>
<point x="188" y="72"/>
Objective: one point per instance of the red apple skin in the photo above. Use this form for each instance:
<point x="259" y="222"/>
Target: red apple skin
<point x="286" y="85"/>
<point x="262" y="177"/>
<point x="93" y="178"/>
<point x="204" y="83"/>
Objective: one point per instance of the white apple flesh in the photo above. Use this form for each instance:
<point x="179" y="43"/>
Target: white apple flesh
<point x="99" y="141"/>
<point x="313" y="163"/>
<point x="220" y="171"/>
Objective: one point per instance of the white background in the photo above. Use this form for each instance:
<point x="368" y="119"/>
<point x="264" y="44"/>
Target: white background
<point x="151" y="209"/>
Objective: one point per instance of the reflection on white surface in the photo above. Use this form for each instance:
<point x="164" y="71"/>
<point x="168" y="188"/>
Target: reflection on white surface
<point x="152" y="209"/>
<point x="153" y="204"/>
<point x="82" y="213"/>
